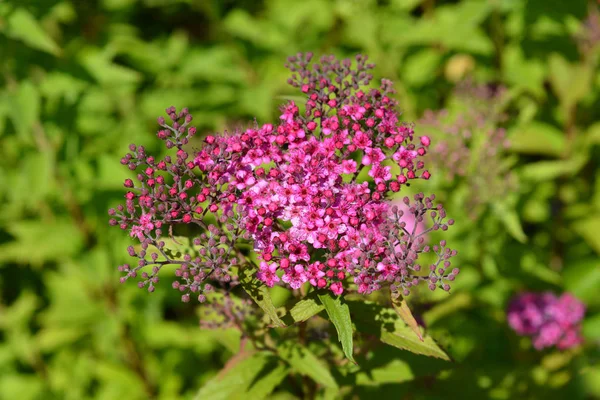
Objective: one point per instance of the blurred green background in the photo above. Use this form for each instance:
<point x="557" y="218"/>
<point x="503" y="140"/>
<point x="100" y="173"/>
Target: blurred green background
<point x="80" y="80"/>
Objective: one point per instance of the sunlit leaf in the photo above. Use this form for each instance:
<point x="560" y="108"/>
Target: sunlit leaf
<point x="23" y="26"/>
<point x="511" y="221"/>
<point x="339" y="315"/>
<point x="390" y="329"/>
<point x="235" y="378"/>
<point x="537" y="138"/>
<point x="588" y="229"/>
<point x="260" y="294"/>
<point x="305" y="309"/>
<point x="401" y="307"/>
<point x="303" y="361"/>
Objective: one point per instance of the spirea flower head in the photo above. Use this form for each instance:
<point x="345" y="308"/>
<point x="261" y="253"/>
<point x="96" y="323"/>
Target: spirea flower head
<point x="549" y="320"/>
<point x="310" y="192"/>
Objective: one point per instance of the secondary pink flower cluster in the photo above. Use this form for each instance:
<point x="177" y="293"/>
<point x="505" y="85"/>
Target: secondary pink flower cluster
<point x="549" y="320"/>
<point x="311" y="192"/>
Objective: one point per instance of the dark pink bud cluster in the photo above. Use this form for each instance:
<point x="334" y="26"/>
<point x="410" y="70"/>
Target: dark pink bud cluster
<point x="298" y="190"/>
<point x="549" y="320"/>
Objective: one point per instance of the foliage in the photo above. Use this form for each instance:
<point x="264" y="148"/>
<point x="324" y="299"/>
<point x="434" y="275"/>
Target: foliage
<point x="83" y="80"/>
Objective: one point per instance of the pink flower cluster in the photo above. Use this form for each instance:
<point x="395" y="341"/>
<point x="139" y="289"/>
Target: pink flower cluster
<point x="311" y="192"/>
<point x="549" y="320"/>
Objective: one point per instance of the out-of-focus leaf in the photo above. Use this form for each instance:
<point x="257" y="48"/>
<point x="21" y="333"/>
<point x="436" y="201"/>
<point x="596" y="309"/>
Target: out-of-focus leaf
<point x="395" y="371"/>
<point x="588" y="229"/>
<point x="510" y="219"/>
<point x="547" y="170"/>
<point x="455" y="27"/>
<point x="591" y="327"/>
<point x="116" y="379"/>
<point x="591" y="379"/>
<point x="401" y="307"/>
<point x="537" y="138"/>
<point x="105" y="71"/>
<point x="50" y="339"/>
<point x="36" y="242"/>
<point x="59" y="85"/>
<point x="421" y="67"/>
<point x="20" y="386"/>
<point x="405" y="4"/>
<point x="303" y="361"/>
<point x="339" y="315"/>
<point x="260" y="294"/>
<point x="570" y="82"/>
<point x="241" y="24"/>
<point x="213" y="65"/>
<point x="236" y="378"/>
<point x="528" y="74"/>
<point x="454" y="304"/>
<point x="23" y="26"/>
<point x="390" y="329"/>
<point x="593" y="134"/>
<point x="28" y="104"/>
<point x="263" y="387"/>
<point x="582" y="278"/>
<point x="18" y="314"/>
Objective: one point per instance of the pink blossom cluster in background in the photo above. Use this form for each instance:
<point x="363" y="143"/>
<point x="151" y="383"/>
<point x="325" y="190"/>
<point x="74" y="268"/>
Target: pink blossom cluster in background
<point x="311" y="192"/>
<point x="549" y="320"/>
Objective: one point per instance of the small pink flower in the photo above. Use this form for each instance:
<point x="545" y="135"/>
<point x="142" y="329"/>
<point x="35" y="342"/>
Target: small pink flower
<point x="337" y="288"/>
<point x="267" y="274"/>
<point x="380" y="174"/>
<point x="373" y="156"/>
<point x="404" y="157"/>
<point x="137" y="231"/>
<point x="348" y="166"/>
<point x="295" y="277"/>
<point x="361" y="140"/>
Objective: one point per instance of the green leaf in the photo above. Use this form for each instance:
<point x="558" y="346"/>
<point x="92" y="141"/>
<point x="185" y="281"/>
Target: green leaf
<point x="395" y="371"/>
<point x="571" y="82"/>
<point x="27" y="101"/>
<point x="303" y="361"/>
<point x="421" y="67"/>
<point x="453" y="304"/>
<point x="263" y="387"/>
<point x="339" y="314"/>
<point x="235" y="378"/>
<point x="50" y="339"/>
<point x="592" y="134"/>
<point x="549" y="170"/>
<point x="100" y="66"/>
<point x="390" y="329"/>
<point x="23" y="26"/>
<point x="48" y="240"/>
<point x="591" y="327"/>
<point x="305" y="309"/>
<point x="510" y="219"/>
<point x="588" y="229"/>
<point x="21" y="386"/>
<point x="399" y="305"/>
<point x="537" y="138"/>
<point x="523" y="73"/>
<point x="582" y="278"/>
<point x="260" y="294"/>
